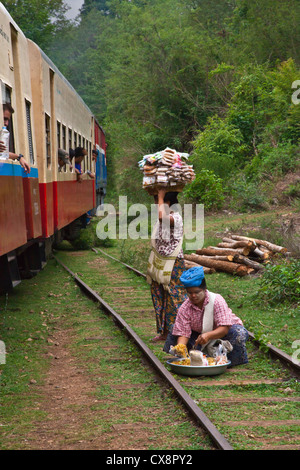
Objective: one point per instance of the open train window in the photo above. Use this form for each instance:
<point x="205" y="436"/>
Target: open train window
<point x="64" y="141"/>
<point x="84" y="160"/>
<point x="63" y="136"/>
<point x="58" y="134"/>
<point x="70" y="138"/>
<point x="48" y="140"/>
<point x="75" y="140"/>
<point x="70" y="134"/>
<point x="90" y="155"/>
<point x="6" y="94"/>
<point x="29" y="131"/>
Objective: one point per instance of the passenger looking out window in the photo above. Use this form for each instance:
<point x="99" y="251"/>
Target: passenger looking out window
<point x="63" y="159"/>
<point x="7" y="113"/>
<point x="79" y="154"/>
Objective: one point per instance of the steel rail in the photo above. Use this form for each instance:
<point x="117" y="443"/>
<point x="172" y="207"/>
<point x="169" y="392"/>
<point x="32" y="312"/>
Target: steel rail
<point x="193" y="408"/>
<point x="138" y="273"/>
<point x="280" y="355"/>
<point x="274" y="352"/>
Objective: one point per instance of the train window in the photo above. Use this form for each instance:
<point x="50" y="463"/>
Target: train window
<point x="75" y="140"/>
<point x="90" y="155"/>
<point x="58" y="134"/>
<point x="70" y="138"/>
<point x="70" y="143"/>
<point x="85" y="145"/>
<point x="6" y="93"/>
<point x="50" y="127"/>
<point x="48" y="140"/>
<point x="64" y="143"/>
<point x="84" y="160"/>
<point x="29" y="131"/>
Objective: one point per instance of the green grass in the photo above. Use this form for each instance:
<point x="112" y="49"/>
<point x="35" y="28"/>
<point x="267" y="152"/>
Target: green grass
<point x="24" y="331"/>
<point x="52" y="300"/>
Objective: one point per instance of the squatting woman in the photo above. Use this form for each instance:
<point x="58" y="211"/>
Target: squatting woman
<point x="205" y="317"/>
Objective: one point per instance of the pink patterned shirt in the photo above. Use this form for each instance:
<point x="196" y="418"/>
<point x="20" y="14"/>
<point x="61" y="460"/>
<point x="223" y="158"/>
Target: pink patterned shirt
<point x="167" y="239"/>
<point x="190" y="317"/>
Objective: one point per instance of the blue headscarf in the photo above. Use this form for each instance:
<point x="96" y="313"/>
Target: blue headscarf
<point x="193" y="277"/>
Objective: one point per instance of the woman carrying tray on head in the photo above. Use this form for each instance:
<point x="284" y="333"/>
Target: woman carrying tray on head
<point x="166" y="263"/>
<point x="204" y="318"/>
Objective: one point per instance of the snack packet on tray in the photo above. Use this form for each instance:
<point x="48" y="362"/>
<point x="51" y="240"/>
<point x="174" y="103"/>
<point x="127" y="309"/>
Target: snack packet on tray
<point x="198" y="358"/>
<point x="180" y="350"/>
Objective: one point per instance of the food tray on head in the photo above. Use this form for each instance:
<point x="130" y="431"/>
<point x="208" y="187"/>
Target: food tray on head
<point x="152" y="190"/>
<point x="196" y="370"/>
<point x="167" y="169"/>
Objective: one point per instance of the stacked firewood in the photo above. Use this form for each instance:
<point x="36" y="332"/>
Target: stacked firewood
<point x="235" y="255"/>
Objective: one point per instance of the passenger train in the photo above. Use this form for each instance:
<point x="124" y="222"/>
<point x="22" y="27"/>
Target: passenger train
<point x="47" y="204"/>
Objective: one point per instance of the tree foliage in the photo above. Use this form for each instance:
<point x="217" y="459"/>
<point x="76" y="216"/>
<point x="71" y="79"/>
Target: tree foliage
<point x="259" y="132"/>
<point x="89" y="5"/>
<point x="206" y="189"/>
<point x="281" y="282"/>
<point x="210" y="78"/>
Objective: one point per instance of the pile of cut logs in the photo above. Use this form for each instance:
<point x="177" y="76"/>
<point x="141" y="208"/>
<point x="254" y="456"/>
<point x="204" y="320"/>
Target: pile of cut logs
<point x="235" y="255"/>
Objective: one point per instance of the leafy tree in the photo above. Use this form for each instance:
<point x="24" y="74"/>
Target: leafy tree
<point x="158" y="71"/>
<point x="281" y="282"/>
<point x="206" y="189"/>
<point x="259" y="131"/>
<point x="89" y="5"/>
<point x="220" y="148"/>
<point x="265" y="31"/>
<point x="213" y="78"/>
<point x="76" y="59"/>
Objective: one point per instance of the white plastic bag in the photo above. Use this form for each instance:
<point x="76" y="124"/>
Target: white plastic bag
<point x="198" y="358"/>
<point x="220" y="355"/>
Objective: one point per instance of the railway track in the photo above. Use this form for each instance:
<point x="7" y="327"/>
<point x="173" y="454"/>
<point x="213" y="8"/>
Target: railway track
<point x="274" y="352"/>
<point x="261" y="399"/>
